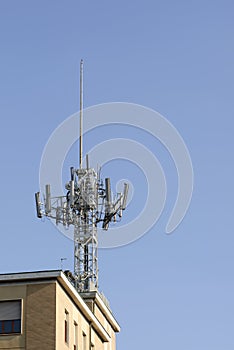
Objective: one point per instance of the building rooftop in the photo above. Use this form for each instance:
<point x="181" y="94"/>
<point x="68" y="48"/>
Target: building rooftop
<point x="79" y="299"/>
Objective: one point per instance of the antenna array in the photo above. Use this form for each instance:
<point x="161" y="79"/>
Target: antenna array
<point x="87" y="203"/>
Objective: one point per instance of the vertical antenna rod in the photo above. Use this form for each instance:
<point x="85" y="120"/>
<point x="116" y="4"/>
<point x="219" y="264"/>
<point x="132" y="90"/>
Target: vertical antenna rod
<point x="81" y="111"/>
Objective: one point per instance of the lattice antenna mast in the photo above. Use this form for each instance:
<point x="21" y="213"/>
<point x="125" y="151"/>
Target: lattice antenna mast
<point x="82" y="207"/>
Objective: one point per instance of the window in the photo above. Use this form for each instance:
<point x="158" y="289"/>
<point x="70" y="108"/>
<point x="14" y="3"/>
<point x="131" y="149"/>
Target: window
<point x="66" y="327"/>
<point x="10" y="317"/>
<point x="75" y="335"/>
<point x="66" y="331"/>
<point x="84" y="341"/>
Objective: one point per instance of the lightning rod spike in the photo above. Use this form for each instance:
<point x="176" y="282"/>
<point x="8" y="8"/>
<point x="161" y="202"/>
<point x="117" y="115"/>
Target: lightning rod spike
<point x="81" y="112"/>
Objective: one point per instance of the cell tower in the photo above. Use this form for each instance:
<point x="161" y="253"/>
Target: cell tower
<point x="87" y="203"/>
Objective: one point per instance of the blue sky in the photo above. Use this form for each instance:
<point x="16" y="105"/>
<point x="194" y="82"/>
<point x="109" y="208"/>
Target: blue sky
<point x="176" y="57"/>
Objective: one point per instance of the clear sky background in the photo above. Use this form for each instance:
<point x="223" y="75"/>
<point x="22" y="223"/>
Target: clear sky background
<point x="177" y="57"/>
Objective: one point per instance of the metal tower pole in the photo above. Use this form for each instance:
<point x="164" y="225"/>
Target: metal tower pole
<point x="87" y="203"/>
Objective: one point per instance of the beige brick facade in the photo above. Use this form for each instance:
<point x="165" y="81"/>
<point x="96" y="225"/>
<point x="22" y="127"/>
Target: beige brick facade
<point x="54" y="316"/>
<point x="40" y="305"/>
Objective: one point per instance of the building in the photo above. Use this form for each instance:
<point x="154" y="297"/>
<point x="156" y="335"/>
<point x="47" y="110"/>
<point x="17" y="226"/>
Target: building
<point x="43" y="311"/>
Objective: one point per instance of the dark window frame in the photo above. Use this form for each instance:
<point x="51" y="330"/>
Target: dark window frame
<point x="66" y="327"/>
<point x="12" y="326"/>
<point x="65" y="331"/>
